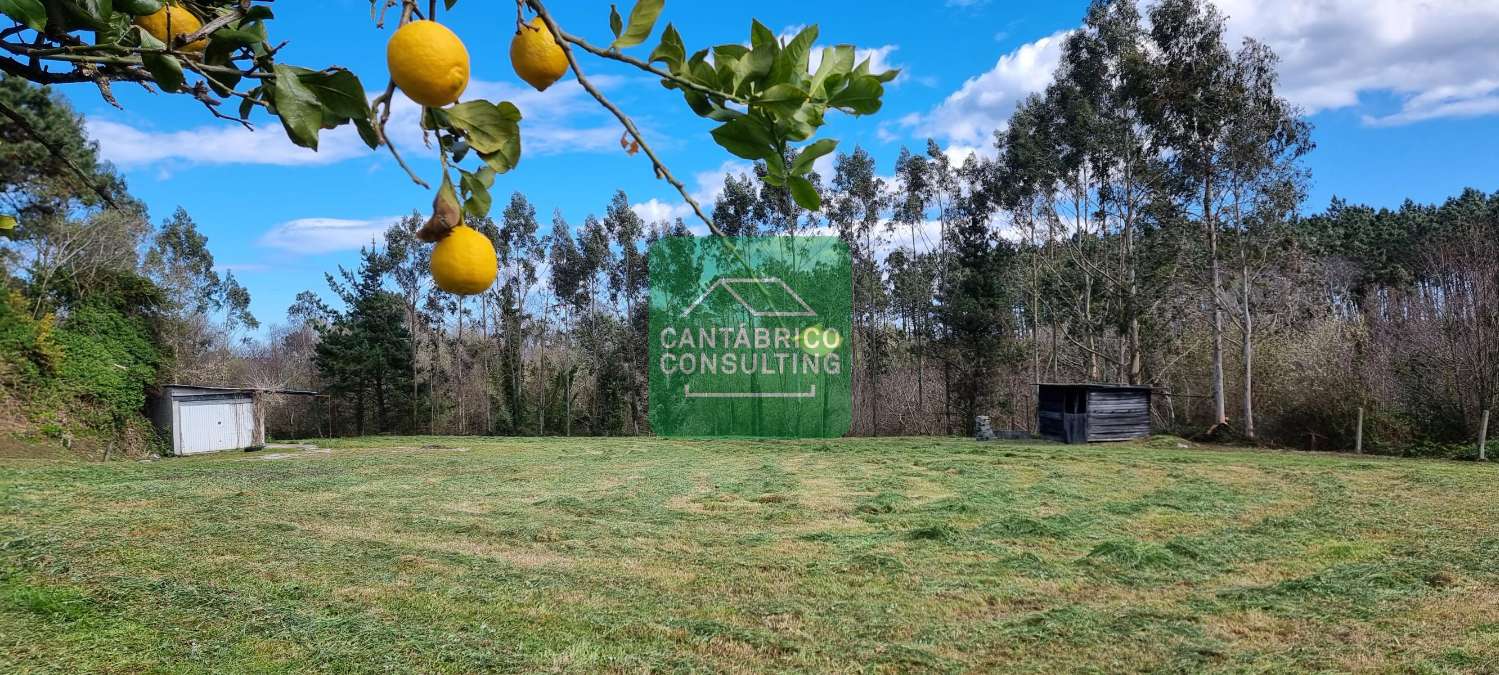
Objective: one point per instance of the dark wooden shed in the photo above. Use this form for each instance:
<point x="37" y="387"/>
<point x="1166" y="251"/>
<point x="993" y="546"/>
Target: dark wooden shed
<point x="1087" y="413"/>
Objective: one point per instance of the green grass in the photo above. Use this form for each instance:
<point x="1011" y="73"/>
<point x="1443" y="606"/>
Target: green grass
<point x="899" y="555"/>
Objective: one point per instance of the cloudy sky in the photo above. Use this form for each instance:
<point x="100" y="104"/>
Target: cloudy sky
<point x="1404" y="95"/>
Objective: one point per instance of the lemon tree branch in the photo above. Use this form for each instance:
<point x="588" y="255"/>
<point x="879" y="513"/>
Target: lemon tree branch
<point x="616" y="55"/>
<point x="624" y="119"/>
<point x="380" y="106"/>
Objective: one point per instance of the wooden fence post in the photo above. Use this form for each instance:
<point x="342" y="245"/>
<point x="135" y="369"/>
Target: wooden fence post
<point x="1358" y="436"/>
<point x="1483" y="437"/>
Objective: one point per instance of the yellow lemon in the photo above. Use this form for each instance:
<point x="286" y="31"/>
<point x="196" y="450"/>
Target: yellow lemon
<point x="428" y="62"/>
<point x="536" y="56"/>
<point x="183" y="23"/>
<point x="464" y="262"/>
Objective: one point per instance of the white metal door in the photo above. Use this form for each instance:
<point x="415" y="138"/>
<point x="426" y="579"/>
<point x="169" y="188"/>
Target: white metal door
<point x="208" y="426"/>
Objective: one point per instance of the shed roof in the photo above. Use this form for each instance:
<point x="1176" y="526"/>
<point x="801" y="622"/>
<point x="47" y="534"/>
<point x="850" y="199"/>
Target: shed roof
<point x="239" y="390"/>
<point x="1098" y="386"/>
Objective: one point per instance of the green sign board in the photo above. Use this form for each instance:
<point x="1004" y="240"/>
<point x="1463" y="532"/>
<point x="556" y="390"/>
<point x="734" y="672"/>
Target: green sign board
<point x="749" y="337"/>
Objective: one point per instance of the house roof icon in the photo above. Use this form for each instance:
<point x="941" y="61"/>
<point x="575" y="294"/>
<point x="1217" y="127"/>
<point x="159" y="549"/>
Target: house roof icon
<point x="730" y="283"/>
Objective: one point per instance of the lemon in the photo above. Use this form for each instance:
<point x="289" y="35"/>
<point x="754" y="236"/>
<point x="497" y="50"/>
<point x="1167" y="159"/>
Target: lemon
<point x="536" y="56"/>
<point x="183" y="23"/>
<point x="428" y="62"/>
<point x="464" y="262"/>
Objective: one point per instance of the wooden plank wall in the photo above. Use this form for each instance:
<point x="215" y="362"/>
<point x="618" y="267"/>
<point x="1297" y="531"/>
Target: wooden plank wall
<point x="1118" y="415"/>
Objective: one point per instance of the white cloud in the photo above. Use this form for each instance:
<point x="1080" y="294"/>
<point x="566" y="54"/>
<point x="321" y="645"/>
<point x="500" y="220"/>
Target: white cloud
<point x="971" y="114"/>
<point x="226" y="143"/>
<point x="562" y="119"/>
<point x="708" y="187"/>
<point x="1439" y="56"/>
<point x="326" y="235"/>
<point x="655" y="210"/>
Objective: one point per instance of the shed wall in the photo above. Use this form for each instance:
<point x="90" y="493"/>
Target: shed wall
<point x="1118" y="415"/>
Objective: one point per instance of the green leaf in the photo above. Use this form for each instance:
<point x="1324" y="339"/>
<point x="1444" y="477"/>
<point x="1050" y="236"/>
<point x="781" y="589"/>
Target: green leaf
<point x="340" y="92"/>
<point x="745" y="137"/>
<point x="246" y="106"/>
<point x="257" y="13"/>
<point x="730" y="64"/>
<point x="791" y="63"/>
<point x="367" y="133"/>
<point x="671" y="51"/>
<point x="760" y="35"/>
<point x="763" y="52"/>
<point x="342" y="98"/>
<point x="94" y="13"/>
<point x="616" y="24"/>
<point x="699" y="103"/>
<point x="804" y="194"/>
<point x="860" y="97"/>
<point x="298" y="107"/>
<point x="782" y="99"/>
<point x="803" y="162"/>
<point x="165" y="69"/>
<point x="239" y="37"/>
<point x="479" y="200"/>
<point x="836" y="60"/>
<point x="491" y="130"/>
<point x="133" y="7"/>
<point x="642" y="22"/>
<point x="7" y="222"/>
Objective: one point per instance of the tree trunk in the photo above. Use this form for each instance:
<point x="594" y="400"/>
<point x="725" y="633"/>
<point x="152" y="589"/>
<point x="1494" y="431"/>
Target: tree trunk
<point x="1247" y="319"/>
<point x="1220" y="404"/>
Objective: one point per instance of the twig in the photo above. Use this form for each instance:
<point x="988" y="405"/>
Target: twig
<point x="200" y="92"/>
<point x="56" y="152"/>
<point x="616" y="55"/>
<point x="382" y="103"/>
<point x="74" y="55"/>
<point x="624" y="119"/>
<point x="231" y="91"/>
<point x="208" y="28"/>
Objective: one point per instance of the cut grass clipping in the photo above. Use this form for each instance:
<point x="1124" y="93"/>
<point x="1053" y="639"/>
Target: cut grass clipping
<point x="897" y="555"/>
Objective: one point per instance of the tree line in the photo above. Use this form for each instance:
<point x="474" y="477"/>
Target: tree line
<point x="1142" y="220"/>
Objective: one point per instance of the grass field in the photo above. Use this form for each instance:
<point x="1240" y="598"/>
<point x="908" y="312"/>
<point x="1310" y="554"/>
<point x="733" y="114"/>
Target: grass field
<point x="938" y="555"/>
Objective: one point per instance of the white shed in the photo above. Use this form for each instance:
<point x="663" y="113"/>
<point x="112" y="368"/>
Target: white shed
<point x="196" y="420"/>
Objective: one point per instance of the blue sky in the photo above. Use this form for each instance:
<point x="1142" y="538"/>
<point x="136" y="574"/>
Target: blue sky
<point x="1404" y="97"/>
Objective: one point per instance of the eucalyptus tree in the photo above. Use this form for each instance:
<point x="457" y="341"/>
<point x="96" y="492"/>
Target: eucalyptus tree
<point x="408" y="261"/>
<point x="912" y="274"/>
<point x="519" y="250"/>
<point x="629" y="293"/>
<point x="1265" y="186"/>
<point x="734" y="209"/>
<point x="1194" y="102"/>
<point x="857" y="205"/>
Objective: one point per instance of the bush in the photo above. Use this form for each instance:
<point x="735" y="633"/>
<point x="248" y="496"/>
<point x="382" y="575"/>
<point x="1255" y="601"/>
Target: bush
<point x="83" y="377"/>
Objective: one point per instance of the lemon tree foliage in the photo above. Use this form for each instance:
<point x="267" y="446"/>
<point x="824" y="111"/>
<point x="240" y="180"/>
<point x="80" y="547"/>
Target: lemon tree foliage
<point x="779" y="101"/>
<point x="765" y="98"/>
<point x="767" y="101"/>
<point x="208" y="49"/>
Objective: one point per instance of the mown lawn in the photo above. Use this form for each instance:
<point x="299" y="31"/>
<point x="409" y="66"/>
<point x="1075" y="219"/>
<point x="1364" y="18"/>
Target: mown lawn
<point x="467" y="554"/>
